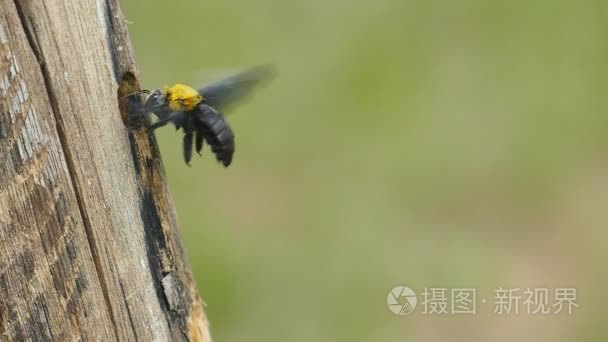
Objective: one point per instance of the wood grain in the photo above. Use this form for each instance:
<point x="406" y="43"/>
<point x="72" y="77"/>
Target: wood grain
<point x="89" y="242"/>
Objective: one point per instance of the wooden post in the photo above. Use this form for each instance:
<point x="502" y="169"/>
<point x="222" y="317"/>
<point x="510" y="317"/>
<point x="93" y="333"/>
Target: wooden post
<point x="89" y="243"/>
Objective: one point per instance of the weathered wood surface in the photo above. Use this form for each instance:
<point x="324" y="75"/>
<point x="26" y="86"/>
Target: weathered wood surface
<point x="89" y="244"/>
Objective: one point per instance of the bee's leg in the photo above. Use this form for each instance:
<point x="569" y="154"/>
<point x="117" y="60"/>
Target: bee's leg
<point x="178" y="121"/>
<point x="199" y="142"/>
<point x="158" y="124"/>
<point x="173" y="117"/>
<point x="188" y="147"/>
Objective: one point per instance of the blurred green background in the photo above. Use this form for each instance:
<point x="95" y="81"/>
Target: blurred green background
<point x="427" y="143"/>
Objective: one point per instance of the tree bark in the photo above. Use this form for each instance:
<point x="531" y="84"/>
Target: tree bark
<point x="90" y="248"/>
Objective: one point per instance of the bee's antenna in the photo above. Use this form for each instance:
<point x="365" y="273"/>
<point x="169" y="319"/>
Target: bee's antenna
<point x="143" y="91"/>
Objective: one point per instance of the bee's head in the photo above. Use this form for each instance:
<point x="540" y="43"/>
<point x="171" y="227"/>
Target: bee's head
<point x="155" y="100"/>
<point x="180" y="97"/>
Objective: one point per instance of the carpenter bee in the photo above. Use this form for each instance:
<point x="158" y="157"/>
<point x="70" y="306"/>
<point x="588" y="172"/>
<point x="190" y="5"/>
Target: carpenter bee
<point x="199" y="112"/>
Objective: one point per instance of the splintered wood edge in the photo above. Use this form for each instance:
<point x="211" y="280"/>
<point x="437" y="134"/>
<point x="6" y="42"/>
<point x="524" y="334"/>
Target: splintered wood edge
<point x="197" y="323"/>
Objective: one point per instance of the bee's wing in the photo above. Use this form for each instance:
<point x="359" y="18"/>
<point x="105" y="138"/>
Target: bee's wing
<point x="224" y="94"/>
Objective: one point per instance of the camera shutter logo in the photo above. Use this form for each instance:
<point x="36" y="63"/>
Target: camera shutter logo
<point x="401" y="300"/>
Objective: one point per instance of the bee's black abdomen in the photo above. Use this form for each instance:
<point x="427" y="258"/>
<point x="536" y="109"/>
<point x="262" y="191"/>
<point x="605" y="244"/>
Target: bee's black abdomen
<point x="218" y="135"/>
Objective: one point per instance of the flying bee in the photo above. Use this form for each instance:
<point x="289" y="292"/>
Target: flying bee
<point x="199" y="112"/>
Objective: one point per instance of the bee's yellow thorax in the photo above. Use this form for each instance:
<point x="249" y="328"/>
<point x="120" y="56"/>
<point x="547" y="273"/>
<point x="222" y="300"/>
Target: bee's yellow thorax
<point x="182" y="97"/>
